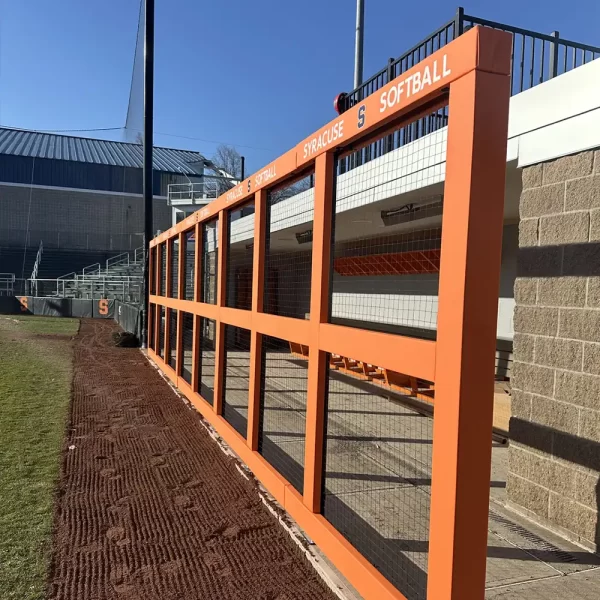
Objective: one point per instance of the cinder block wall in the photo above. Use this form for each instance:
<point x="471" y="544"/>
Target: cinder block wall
<point x="554" y="457"/>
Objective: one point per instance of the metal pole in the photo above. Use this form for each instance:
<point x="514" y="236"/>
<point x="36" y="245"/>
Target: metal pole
<point x="243" y="174"/>
<point x="358" y="49"/>
<point x="148" y="142"/>
<point x="553" y="66"/>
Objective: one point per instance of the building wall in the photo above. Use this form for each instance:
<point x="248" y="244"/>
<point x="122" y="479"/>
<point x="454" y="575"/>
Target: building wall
<point x="72" y="219"/>
<point x="554" y="457"/>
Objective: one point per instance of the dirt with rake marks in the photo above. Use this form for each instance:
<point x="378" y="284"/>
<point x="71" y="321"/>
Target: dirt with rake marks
<point x="149" y="508"/>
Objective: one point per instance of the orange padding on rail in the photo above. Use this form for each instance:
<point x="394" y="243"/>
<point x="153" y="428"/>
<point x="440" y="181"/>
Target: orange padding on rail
<point x="399" y="263"/>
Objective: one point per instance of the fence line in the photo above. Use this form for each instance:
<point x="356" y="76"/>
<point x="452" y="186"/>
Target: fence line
<point x="233" y="363"/>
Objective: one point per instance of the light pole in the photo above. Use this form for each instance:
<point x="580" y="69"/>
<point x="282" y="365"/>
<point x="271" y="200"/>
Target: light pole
<point x="358" y="47"/>
<point x="148" y="143"/>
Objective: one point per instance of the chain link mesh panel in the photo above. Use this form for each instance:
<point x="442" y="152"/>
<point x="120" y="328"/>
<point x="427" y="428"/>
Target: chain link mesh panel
<point x="240" y="223"/>
<point x="189" y="258"/>
<point x="162" y="291"/>
<point x="172" y="314"/>
<point x="151" y="326"/>
<point x="236" y="378"/>
<point x="206" y="359"/>
<point x="187" y="339"/>
<point x="387" y="239"/>
<point x="283" y="394"/>
<point x="152" y="274"/>
<point x="210" y="246"/>
<point x="174" y="245"/>
<point x="377" y="474"/>
<point x="288" y="252"/>
<point x="161" y="332"/>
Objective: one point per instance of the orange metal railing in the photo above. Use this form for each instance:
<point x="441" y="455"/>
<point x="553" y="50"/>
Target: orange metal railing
<point x="471" y="76"/>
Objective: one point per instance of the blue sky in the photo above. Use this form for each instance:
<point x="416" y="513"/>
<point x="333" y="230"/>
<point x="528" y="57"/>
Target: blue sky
<point x="261" y="75"/>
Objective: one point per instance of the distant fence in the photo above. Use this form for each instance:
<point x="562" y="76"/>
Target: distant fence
<point x="126" y="315"/>
<point x="57" y="307"/>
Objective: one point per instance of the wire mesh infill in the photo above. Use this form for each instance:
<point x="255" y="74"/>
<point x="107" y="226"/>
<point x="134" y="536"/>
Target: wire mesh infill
<point x="236" y="378"/>
<point x="205" y="362"/>
<point x="240" y="256"/>
<point x="283" y="398"/>
<point x="377" y="477"/>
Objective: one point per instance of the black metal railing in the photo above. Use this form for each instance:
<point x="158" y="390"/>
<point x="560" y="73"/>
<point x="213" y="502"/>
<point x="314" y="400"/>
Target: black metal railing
<point x="536" y="57"/>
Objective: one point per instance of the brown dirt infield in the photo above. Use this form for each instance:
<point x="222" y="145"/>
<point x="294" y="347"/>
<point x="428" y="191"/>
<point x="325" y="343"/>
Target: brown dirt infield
<point x="149" y="508"/>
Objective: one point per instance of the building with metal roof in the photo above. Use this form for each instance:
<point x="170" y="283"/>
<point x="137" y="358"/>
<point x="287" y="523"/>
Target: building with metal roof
<point x="82" y="195"/>
<point x="38" y="144"/>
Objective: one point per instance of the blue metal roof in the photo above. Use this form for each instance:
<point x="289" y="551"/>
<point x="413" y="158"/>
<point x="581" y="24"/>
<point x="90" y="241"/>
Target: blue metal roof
<point x="17" y="142"/>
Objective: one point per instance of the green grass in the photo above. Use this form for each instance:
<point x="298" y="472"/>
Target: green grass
<point x="46" y="325"/>
<point x="35" y="389"/>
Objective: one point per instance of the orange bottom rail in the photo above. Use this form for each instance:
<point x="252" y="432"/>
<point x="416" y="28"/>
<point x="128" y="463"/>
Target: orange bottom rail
<point x="419" y="388"/>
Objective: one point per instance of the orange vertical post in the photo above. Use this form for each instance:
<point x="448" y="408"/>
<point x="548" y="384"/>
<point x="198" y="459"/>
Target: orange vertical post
<point x="220" y="333"/>
<point x="258" y="285"/>
<point x="319" y="313"/>
<point x="468" y="303"/>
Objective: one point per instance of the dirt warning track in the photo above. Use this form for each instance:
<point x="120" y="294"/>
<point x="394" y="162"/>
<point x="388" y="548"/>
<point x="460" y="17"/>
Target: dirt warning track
<point x="149" y="508"/>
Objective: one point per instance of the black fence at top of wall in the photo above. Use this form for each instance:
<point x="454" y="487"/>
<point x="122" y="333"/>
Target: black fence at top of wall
<point x="536" y="57"/>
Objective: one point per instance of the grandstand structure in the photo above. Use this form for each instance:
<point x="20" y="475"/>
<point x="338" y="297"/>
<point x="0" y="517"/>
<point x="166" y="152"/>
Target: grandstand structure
<point x="71" y="210"/>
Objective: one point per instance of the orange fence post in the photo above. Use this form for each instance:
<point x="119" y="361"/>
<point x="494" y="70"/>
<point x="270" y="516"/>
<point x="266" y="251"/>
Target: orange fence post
<point x="468" y="304"/>
<point x="319" y="313"/>
<point x="258" y="270"/>
<point x="220" y="326"/>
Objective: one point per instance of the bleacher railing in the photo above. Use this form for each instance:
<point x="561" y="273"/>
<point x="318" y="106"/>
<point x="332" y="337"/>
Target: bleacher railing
<point x="123" y="288"/>
<point x="7" y="284"/>
<point x="535" y="58"/>
<point x="38" y="260"/>
<point x="471" y="76"/>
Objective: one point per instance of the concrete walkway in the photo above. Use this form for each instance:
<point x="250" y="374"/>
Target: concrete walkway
<point x="377" y="486"/>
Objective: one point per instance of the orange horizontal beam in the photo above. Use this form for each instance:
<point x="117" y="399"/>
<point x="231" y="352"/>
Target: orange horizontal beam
<point x="286" y="328"/>
<point x="386" y="350"/>
<point x="236" y="317"/>
<point x="202" y="309"/>
<point x="479" y="48"/>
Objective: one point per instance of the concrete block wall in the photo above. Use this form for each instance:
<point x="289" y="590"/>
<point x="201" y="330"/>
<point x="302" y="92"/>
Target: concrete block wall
<point x="554" y="455"/>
